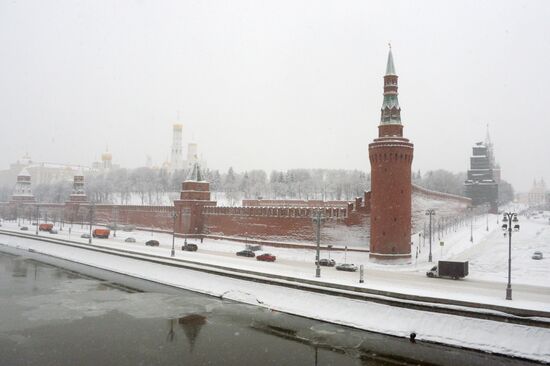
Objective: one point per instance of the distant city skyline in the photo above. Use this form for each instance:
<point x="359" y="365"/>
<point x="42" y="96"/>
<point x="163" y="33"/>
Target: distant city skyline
<point x="274" y="85"/>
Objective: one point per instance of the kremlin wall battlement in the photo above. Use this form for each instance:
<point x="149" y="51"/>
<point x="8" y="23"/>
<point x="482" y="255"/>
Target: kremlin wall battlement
<point x="343" y="226"/>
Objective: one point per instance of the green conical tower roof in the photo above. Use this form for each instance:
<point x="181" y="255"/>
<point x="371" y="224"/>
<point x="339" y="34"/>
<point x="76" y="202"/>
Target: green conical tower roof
<point x="196" y="174"/>
<point x="391" y="111"/>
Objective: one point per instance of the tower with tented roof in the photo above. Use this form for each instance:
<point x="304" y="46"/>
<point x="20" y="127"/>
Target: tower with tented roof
<point x="194" y="195"/>
<point x="22" y="191"/>
<point x="391" y="157"/>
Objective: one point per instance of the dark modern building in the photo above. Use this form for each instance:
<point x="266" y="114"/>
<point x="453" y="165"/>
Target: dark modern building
<point x="483" y="178"/>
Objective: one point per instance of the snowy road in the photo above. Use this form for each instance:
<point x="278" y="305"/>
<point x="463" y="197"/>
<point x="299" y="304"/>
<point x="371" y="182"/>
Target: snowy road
<point x="486" y="283"/>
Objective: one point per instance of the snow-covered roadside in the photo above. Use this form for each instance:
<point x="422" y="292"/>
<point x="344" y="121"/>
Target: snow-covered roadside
<point x="490" y="336"/>
<point x="298" y="263"/>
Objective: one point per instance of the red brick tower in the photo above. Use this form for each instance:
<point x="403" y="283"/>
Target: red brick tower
<point x="195" y="194"/>
<point x="390" y="157"/>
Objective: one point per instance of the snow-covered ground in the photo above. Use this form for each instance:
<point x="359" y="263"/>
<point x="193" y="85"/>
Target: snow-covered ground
<point x="491" y="336"/>
<point x="487" y="255"/>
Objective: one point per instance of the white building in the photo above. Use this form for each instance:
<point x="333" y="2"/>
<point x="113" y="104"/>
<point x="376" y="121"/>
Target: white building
<point x="537" y="194"/>
<point x="176" y="153"/>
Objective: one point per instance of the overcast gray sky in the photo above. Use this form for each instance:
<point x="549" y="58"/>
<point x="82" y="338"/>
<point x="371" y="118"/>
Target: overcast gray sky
<point x="274" y="85"/>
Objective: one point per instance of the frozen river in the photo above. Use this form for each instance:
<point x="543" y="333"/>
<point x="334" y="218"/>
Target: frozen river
<point x="55" y="316"/>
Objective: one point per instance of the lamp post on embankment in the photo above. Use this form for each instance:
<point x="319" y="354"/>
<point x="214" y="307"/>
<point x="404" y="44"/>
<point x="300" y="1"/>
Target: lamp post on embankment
<point x="430" y="212"/>
<point x="92" y="208"/>
<point x="471" y="209"/>
<point x="317" y="217"/>
<point x="174" y="216"/>
<point x="508" y="218"/>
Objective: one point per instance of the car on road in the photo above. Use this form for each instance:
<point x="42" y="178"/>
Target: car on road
<point x="152" y="243"/>
<point x="537" y="255"/>
<point x="324" y="262"/>
<point x="24" y="228"/>
<point x="347" y="267"/>
<point x="85" y="236"/>
<point x="53" y="231"/>
<point x="190" y="247"/>
<point x="129" y="240"/>
<point x="246" y="253"/>
<point x="266" y="257"/>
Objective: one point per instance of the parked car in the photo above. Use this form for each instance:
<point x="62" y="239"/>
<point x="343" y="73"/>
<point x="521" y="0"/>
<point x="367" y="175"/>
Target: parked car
<point x="85" y="236"/>
<point x="266" y="257"/>
<point x="246" y="253"/>
<point x="128" y="228"/>
<point x="152" y="243"/>
<point x="537" y="255"/>
<point x="348" y="267"/>
<point x="53" y="231"/>
<point x="129" y="240"/>
<point x="190" y="247"/>
<point x="324" y="262"/>
<point x="24" y="228"/>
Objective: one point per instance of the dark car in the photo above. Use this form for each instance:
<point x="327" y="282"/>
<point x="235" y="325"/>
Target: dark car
<point x="24" y="228"/>
<point x="129" y="240"/>
<point x="152" y="243"/>
<point x="324" y="262"/>
<point x="53" y="231"/>
<point x="266" y="257"/>
<point x="189" y="247"/>
<point x="348" y="267"/>
<point x="246" y="253"/>
<point x="537" y="255"/>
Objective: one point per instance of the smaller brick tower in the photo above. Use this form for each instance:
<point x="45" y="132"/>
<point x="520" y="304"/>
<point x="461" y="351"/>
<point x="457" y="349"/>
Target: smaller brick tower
<point x="78" y="194"/>
<point x="390" y="157"/>
<point x="23" y="191"/>
<point x="195" y="194"/>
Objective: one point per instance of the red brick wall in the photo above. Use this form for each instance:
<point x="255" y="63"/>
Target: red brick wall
<point x="287" y="224"/>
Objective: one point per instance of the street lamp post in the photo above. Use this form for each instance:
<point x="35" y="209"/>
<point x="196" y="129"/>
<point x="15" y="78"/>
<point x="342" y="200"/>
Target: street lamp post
<point x="508" y="218"/>
<point x="115" y="219"/>
<point x="174" y="215"/>
<point x="487" y="224"/>
<point x="471" y="208"/>
<point x="37" y="218"/>
<point x="430" y="212"/>
<point x="317" y="217"/>
<point x="92" y="207"/>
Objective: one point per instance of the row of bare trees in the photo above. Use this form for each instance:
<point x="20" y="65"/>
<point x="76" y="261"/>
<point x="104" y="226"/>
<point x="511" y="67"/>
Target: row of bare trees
<point x="146" y="186"/>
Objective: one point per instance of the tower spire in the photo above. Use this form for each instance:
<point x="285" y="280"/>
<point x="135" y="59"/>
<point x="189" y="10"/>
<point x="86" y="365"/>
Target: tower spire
<point x="391" y="111"/>
<point x="390" y="67"/>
